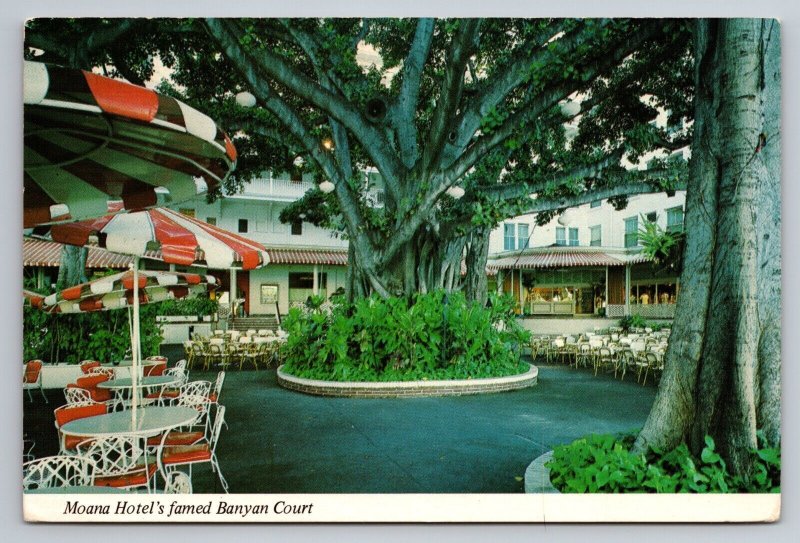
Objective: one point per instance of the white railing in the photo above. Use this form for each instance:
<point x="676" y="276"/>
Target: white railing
<point x="286" y="188"/>
<point x="283" y="188"/>
<point x="648" y="311"/>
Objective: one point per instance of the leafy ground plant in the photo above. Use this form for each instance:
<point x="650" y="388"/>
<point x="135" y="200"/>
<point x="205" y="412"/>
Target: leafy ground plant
<point x="427" y="336"/>
<point x="604" y="464"/>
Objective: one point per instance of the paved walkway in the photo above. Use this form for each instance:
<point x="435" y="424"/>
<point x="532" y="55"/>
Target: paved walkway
<point x="285" y="442"/>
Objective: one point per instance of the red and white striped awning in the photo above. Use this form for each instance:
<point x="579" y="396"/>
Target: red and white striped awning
<point x="165" y="235"/>
<point x="325" y="257"/>
<point x="116" y="291"/>
<point x="47" y="254"/>
<point x="90" y="139"/>
<point x="554" y="259"/>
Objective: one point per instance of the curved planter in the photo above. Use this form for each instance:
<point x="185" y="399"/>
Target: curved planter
<point x="393" y="389"/>
<point x="537" y="476"/>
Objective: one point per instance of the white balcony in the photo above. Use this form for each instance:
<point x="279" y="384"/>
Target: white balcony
<point x="286" y="190"/>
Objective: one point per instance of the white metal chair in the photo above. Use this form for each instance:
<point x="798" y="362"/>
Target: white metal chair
<point x="216" y="392"/>
<point x="188" y="455"/>
<point x="57" y="471"/>
<point x="100" y="370"/>
<point x="119" y="461"/>
<point x="77" y="396"/>
<point x="178" y="482"/>
<point x="32" y="378"/>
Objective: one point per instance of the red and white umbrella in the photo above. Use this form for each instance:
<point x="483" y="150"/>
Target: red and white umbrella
<point x="165" y="235"/>
<point x="117" y="291"/>
<point x="128" y="289"/>
<point x="33" y="298"/>
<point x="91" y="139"/>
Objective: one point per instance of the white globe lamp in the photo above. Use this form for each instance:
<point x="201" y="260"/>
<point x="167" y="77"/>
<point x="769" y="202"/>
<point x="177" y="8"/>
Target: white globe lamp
<point x="455" y="192"/>
<point x="245" y="99"/>
<point x="570" y="108"/>
<point x="326" y="187"/>
<point x="567" y="217"/>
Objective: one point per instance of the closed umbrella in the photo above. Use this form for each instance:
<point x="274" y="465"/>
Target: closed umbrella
<point x="91" y="139"/>
<point x="128" y="289"/>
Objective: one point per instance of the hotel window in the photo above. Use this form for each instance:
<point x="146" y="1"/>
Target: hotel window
<point x="509" y="241"/>
<point x="651" y="217"/>
<point x="211" y="220"/>
<point x="189" y="212"/>
<point x="561" y="235"/>
<point x="297" y="228"/>
<point x="596" y="203"/>
<point x="573" y="237"/>
<point x="522" y="236"/>
<point x="243" y="226"/>
<point x="675" y="219"/>
<point x="632" y="232"/>
<point x="595" y="236"/>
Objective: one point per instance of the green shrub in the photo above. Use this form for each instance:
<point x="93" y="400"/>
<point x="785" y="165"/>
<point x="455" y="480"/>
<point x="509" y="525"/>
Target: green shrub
<point x="604" y="464"/>
<point x="427" y="336"/>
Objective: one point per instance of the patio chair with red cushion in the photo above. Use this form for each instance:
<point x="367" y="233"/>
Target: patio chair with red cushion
<point x="32" y="378"/>
<point x="203" y="452"/>
<point x="87" y="365"/>
<point x="68" y="413"/>
<point x="157" y="368"/>
<point x="90" y="383"/>
<point x="119" y="461"/>
<point x="57" y="471"/>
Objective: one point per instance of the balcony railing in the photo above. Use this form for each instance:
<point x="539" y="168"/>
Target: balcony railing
<point x="286" y="189"/>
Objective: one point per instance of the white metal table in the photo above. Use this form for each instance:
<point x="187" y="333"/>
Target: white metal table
<point x="150" y="421"/>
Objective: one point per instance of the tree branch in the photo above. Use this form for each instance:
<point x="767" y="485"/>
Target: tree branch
<point x="597" y="65"/>
<point x="458" y="55"/>
<point x="259" y="70"/>
<point x="406" y="104"/>
<point x="515" y="73"/>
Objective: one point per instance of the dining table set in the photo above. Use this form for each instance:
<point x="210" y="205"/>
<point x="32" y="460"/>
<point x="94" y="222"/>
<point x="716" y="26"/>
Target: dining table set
<point x="639" y="350"/>
<point x="107" y="443"/>
<point x="234" y="348"/>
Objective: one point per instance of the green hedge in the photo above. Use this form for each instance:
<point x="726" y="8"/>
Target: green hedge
<point x="429" y="336"/>
<point x="604" y="464"/>
<point x="103" y="336"/>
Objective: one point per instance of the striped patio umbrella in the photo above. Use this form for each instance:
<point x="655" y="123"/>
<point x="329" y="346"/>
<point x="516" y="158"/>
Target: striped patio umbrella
<point x="117" y="291"/>
<point x="166" y="235"/>
<point x="128" y="289"/>
<point x="91" y="139"/>
<point x="34" y="299"/>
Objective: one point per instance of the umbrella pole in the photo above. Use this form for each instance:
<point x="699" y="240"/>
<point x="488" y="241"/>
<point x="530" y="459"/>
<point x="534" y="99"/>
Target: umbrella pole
<point x="135" y="347"/>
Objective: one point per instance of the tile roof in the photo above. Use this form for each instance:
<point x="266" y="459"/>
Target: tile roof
<point x="562" y="259"/>
<point x="327" y="257"/>
<point x="37" y="252"/>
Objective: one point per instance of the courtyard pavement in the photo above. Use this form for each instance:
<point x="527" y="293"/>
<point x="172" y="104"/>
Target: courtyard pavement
<point x="278" y="441"/>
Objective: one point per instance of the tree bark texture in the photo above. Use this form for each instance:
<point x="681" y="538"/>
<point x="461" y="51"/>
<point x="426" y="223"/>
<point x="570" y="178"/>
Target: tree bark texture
<point x="72" y="269"/>
<point x="722" y="368"/>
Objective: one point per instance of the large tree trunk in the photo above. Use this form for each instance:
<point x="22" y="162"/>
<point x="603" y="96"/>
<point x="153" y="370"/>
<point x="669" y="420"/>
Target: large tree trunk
<point x="722" y="369"/>
<point x="72" y="269"/>
<point x="475" y="285"/>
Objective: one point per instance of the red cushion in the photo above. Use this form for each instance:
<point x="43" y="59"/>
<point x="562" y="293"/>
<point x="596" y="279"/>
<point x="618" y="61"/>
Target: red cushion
<point x="91" y="381"/>
<point x="72" y="442"/>
<point x="163" y="394"/>
<point x="136" y="478"/>
<point x="183" y="454"/>
<point x="177" y="438"/>
<point x="66" y="414"/>
<point x="32" y="370"/>
<point x="156" y="369"/>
